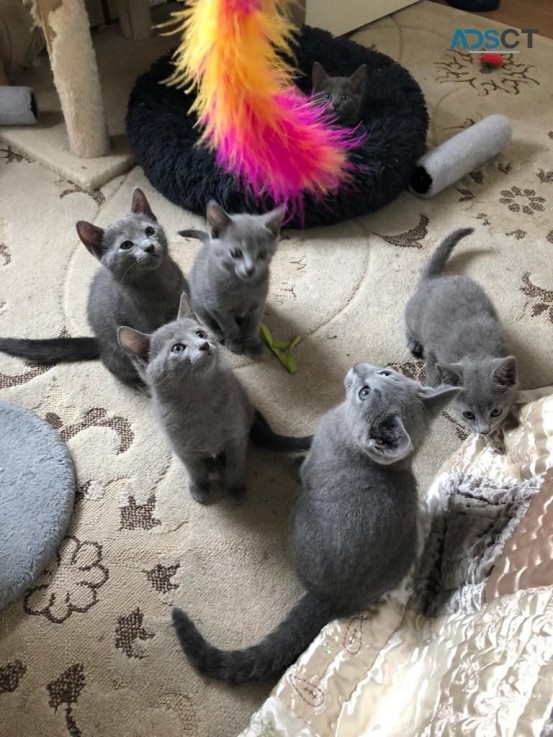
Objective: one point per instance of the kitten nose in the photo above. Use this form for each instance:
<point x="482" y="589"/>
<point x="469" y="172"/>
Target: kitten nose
<point x="484" y="429"/>
<point x="204" y="346"/>
<point x="249" y="270"/>
<point x="150" y="248"/>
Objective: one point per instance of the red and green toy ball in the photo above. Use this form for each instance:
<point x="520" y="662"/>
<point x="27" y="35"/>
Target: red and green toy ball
<point x="491" y="61"/>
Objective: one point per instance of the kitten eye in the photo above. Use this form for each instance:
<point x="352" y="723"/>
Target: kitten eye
<point x="384" y="373"/>
<point x="236" y="253"/>
<point x="326" y="96"/>
<point x="150" y="231"/>
<point x="178" y="348"/>
<point x="261" y="255"/>
<point x="468" y="415"/>
<point x="364" y="392"/>
<point x="201" y="334"/>
<point x="345" y="98"/>
<point x="126" y="245"/>
<point x="496" y="412"/>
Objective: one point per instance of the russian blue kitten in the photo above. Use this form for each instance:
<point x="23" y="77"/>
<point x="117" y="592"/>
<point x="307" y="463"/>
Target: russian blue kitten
<point x="343" y="95"/>
<point x="452" y="321"/>
<point x="230" y="276"/>
<point x="354" y="526"/>
<point x="200" y="403"/>
<point x="139" y="284"/>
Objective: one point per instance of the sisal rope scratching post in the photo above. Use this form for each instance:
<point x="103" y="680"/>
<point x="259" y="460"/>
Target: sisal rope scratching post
<point x="65" y="24"/>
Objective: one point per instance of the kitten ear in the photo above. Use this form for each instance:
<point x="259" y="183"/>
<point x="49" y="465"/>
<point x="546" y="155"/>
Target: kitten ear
<point x="505" y="372"/>
<point x="436" y="399"/>
<point x="390" y="440"/>
<point x="273" y="221"/>
<point x="318" y="76"/>
<point x="141" y="206"/>
<point x="135" y="344"/>
<point x="359" y="79"/>
<point x="91" y="236"/>
<point x="217" y="219"/>
<point x="185" y="308"/>
<point x="450" y="373"/>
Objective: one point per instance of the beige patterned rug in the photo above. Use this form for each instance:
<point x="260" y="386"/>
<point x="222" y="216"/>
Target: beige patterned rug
<point x="89" y="650"/>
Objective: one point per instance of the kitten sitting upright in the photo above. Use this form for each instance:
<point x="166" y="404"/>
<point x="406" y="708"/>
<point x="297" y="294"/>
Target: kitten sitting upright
<point x="452" y="321"/>
<point x="343" y="95"/>
<point x="230" y="276"/>
<point x="200" y="402"/>
<point x="354" y="526"/>
<point x="138" y="284"/>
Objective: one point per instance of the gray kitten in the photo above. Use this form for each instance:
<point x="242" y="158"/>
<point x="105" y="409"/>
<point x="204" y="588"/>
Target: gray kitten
<point x="200" y="402"/>
<point x="230" y="276"/>
<point x="453" y="322"/>
<point x="343" y="95"/>
<point x="354" y="526"/>
<point x="139" y="285"/>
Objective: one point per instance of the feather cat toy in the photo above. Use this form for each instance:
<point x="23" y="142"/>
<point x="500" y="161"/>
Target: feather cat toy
<point x="276" y="141"/>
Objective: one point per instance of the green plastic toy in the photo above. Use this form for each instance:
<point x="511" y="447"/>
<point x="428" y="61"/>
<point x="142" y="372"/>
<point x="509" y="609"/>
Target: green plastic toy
<point x="281" y="348"/>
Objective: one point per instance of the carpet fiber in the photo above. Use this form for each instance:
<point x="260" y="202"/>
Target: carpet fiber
<point x="37" y="491"/>
<point x="93" y="649"/>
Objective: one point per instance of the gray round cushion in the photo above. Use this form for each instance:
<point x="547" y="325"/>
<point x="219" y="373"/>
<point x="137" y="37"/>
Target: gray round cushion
<point x="37" y="492"/>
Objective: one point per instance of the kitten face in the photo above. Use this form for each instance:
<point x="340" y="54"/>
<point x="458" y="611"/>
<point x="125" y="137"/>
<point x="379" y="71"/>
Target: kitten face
<point x="134" y="244"/>
<point x="180" y="350"/>
<point x="388" y="413"/>
<point x="131" y="246"/>
<point x="244" y="244"/>
<point x="342" y="95"/>
<point x="177" y="352"/>
<point x="488" y="391"/>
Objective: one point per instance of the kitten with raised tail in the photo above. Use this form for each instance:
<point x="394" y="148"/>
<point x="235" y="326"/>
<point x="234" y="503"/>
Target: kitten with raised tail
<point x="201" y="404"/>
<point x="453" y="323"/>
<point x="138" y="284"/>
<point x="343" y="95"/>
<point x="354" y="526"/>
<point x="229" y="281"/>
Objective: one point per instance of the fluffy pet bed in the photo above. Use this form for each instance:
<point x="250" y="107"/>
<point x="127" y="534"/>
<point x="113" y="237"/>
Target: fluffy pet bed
<point x="37" y="490"/>
<point x="163" y="135"/>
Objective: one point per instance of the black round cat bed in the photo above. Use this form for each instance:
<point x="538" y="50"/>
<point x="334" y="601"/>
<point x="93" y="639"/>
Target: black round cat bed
<point x="163" y="135"/>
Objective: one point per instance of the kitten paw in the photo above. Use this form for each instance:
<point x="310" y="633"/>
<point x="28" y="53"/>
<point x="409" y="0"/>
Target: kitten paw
<point x="416" y="348"/>
<point x="237" y="495"/>
<point x="200" y="492"/>
<point x="497" y="444"/>
<point x="236" y="346"/>
<point x="297" y="463"/>
<point x="254" y="348"/>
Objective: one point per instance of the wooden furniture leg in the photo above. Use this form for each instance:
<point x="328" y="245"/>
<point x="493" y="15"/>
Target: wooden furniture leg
<point x="3" y="76"/>
<point x="73" y="61"/>
<point x="135" y="18"/>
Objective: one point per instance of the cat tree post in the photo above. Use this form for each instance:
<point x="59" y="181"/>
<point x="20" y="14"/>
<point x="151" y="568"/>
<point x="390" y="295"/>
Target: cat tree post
<point x="65" y="24"/>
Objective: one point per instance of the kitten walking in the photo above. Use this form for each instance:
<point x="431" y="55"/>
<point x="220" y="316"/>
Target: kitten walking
<point x="452" y="321"/>
<point x="139" y="284"/>
<point x="343" y="95"/>
<point x="200" y="403"/>
<point x="229" y="280"/>
<point x="354" y="527"/>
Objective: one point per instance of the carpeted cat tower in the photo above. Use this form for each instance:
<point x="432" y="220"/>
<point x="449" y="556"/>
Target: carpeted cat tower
<point x="228" y="116"/>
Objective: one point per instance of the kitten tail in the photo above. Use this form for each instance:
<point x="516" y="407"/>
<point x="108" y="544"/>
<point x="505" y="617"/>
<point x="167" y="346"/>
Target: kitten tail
<point x="264" y="436"/>
<point x="198" y="234"/>
<point x="268" y="659"/>
<point x="437" y="261"/>
<point x="54" y="350"/>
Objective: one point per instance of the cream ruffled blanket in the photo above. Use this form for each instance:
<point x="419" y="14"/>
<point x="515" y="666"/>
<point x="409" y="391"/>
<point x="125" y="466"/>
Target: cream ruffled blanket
<point x="466" y="646"/>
